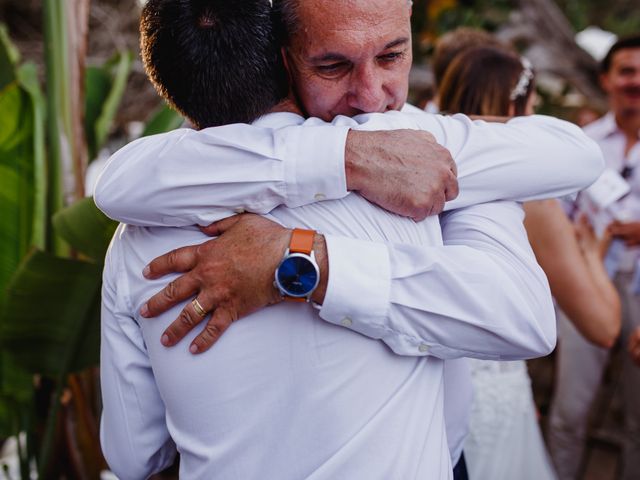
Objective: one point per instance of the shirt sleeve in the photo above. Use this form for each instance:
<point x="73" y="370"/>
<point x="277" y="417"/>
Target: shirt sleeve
<point x="527" y="158"/>
<point x="480" y="295"/>
<point x="188" y="177"/>
<point x="133" y="433"/>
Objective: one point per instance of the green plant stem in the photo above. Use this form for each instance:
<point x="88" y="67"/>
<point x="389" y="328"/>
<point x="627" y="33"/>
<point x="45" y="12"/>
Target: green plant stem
<point x="56" y="57"/>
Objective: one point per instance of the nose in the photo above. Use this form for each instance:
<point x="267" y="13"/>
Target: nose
<point x="367" y="92"/>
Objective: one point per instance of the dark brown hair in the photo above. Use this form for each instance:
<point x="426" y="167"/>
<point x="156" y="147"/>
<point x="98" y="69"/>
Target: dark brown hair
<point x="480" y="81"/>
<point x="452" y="43"/>
<point x="622" y="44"/>
<point x="216" y="62"/>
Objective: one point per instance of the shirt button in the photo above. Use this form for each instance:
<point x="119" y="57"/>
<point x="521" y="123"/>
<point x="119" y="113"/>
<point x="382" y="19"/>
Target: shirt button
<point x="238" y="210"/>
<point x="346" y="322"/>
<point x="423" y="348"/>
<point x="320" y="196"/>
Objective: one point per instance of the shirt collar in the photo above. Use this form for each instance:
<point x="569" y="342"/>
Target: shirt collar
<point x="603" y="128"/>
<point x="278" y="119"/>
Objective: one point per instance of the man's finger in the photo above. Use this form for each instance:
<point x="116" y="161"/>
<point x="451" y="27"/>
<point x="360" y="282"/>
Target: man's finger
<point x="218" y="228"/>
<point x="452" y="190"/>
<point x="191" y="315"/>
<point x="182" y="288"/>
<point x="178" y="260"/>
<point x="216" y="326"/>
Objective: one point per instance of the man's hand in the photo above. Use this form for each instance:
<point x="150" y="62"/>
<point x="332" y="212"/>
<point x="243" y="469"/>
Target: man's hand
<point x="634" y="346"/>
<point x="627" y="231"/>
<point x="230" y="276"/>
<point x="403" y="171"/>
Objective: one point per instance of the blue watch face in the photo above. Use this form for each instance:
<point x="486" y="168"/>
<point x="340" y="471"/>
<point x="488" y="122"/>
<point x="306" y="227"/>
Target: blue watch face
<point x="297" y="276"/>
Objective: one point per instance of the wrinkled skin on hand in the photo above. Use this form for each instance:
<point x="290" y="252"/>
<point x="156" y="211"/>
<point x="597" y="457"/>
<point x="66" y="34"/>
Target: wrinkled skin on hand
<point x="231" y="276"/>
<point x="403" y="171"/>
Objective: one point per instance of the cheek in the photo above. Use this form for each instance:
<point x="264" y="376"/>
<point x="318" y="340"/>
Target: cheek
<point x="321" y="97"/>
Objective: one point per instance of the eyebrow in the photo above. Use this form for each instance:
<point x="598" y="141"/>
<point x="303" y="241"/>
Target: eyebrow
<point x="334" y="56"/>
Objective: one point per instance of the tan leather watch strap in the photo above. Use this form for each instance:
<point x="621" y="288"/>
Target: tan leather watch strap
<point x="301" y="241"/>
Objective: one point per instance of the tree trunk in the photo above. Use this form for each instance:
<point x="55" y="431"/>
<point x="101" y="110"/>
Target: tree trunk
<point x="542" y="23"/>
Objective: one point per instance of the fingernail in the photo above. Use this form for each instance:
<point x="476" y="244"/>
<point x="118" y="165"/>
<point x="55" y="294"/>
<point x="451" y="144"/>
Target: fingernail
<point x="165" y="340"/>
<point x="146" y="272"/>
<point x="144" y="311"/>
<point x="193" y="348"/>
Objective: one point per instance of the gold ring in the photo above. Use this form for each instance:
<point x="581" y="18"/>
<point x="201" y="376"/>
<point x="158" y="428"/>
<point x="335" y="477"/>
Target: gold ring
<point x="198" y="308"/>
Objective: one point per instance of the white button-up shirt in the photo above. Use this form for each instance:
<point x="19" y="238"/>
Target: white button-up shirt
<point x="613" y="142"/>
<point x="383" y="280"/>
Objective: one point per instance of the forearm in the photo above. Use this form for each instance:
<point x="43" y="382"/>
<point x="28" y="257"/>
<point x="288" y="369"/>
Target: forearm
<point x="471" y="297"/>
<point x="525" y="158"/>
<point x="603" y="307"/>
<point x="531" y="158"/>
<point x="578" y="279"/>
<point x="188" y="177"/>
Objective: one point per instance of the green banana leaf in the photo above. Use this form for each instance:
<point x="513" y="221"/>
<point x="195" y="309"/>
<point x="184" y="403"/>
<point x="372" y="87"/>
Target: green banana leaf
<point x="97" y="86"/>
<point x="163" y="120"/>
<point x="85" y="228"/>
<point x="22" y="209"/>
<point x="16" y="179"/>
<point x="105" y="87"/>
<point x="9" y="57"/>
<point x="51" y="321"/>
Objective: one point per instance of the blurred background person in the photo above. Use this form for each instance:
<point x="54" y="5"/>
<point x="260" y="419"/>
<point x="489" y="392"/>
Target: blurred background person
<point x="505" y="441"/>
<point x="580" y="363"/>
<point x="450" y="45"/>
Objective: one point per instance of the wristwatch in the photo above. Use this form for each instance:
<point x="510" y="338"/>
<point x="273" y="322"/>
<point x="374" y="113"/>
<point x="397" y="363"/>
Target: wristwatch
<point x="298" y="274"/>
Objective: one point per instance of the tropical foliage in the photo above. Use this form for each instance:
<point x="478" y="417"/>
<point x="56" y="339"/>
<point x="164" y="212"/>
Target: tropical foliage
<point x="53" y="242"/>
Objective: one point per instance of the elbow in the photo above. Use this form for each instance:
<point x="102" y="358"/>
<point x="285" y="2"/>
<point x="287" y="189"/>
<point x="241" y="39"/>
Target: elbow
<point x="104" y="197"/>
<point x="591" y="162"/>
<point x="544" y="335"/>
<point x="546" y="341"/>
<point x="609" y="331"/>
<point x="133" y="461"/>
<point x="124" y="465"/>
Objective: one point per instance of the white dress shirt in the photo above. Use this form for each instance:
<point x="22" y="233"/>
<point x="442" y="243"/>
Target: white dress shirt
<point x="613" y="142"/>
<point x="409" y="321"/>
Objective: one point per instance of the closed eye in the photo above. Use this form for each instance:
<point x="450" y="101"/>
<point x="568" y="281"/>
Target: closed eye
<point x="390" y="57"/>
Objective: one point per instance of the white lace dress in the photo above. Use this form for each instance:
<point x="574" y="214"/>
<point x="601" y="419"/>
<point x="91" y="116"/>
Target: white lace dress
<point x="504" y="439"/>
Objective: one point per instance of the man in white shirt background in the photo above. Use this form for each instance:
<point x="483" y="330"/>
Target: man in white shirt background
<point x="504" y="345"/>
<point x="581" y="364"/>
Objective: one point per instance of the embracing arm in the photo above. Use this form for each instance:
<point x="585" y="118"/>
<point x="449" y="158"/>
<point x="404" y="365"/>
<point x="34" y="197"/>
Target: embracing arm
<point x="481" y="295"/>
<point x="191" y="177"/>
<point x="527" y="158"/>
<point x="578" y="279"/>
<point x="133" y="433"/>
<point x="188" y="177"/>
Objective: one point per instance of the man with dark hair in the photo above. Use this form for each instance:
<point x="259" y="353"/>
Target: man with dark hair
<point x="215" y="60"/>
<point x="582" y="364"/>
<point x="288" y="394"/>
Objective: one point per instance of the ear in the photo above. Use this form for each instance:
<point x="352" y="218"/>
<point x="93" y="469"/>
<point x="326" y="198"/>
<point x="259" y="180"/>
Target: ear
<point x="287" y="64"/>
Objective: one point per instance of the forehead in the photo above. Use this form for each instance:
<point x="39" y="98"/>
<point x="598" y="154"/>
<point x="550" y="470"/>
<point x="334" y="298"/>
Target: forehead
<point x="349" y="27"/>
<point x="626" y="57"/>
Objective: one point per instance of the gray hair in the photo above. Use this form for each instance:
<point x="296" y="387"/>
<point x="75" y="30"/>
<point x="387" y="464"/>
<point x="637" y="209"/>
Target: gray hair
<point x="288" y="12"/>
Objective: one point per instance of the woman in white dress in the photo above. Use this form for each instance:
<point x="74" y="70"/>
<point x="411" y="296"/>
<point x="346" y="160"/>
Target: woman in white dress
<point x="504" y="439"/>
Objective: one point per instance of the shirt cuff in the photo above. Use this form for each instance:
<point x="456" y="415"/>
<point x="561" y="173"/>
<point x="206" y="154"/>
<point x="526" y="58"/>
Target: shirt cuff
<point x="314" y="167"/>
<point x="359" y="285"/>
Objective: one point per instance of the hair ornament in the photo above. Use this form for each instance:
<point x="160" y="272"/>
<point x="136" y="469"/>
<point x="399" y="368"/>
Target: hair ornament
<point x="524" y="81"/>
